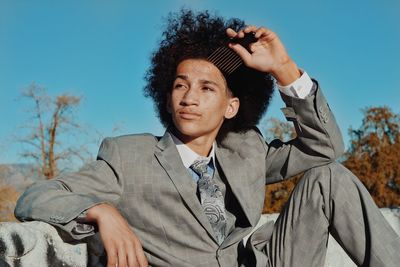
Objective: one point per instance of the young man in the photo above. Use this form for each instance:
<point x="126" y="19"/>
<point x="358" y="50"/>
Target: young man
<point x="189" y="197"/>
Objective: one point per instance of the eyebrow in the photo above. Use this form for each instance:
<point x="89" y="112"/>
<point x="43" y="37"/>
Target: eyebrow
<point x="209" y="82"/>
<point x="185" y="77"/>
<point x="181" y="76"/>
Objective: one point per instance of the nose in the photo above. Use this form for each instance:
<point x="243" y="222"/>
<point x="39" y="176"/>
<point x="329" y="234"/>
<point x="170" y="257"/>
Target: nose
<point x="190" y="97"/>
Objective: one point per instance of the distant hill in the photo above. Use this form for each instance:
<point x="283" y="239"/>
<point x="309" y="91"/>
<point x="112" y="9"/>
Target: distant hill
<point x="20" y="176"/>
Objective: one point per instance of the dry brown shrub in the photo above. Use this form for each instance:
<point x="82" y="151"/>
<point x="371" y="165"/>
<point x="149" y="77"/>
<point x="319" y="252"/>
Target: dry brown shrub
<point x="8" y="199"/>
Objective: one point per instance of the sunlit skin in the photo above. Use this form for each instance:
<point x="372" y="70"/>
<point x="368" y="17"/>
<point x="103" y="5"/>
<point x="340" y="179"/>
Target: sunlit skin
<point x="199" y="103"/>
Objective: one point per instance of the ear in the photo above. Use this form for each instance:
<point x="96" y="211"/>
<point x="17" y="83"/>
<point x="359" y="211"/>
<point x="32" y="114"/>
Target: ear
<point x="169" y="108"/>
<point x="232" y="108"/>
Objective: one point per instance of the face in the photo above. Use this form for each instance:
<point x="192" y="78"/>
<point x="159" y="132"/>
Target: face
<point x="200" y="100"/>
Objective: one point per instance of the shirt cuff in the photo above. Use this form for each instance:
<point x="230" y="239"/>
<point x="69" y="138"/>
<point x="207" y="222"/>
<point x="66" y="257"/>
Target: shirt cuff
<point x="301" y="88"/>
<point x="81" y="217"/>
<point x="81" y="226"/>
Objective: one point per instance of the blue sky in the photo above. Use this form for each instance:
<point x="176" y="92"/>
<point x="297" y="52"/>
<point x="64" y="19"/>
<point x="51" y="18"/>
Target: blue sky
<point x="100" y="50"/>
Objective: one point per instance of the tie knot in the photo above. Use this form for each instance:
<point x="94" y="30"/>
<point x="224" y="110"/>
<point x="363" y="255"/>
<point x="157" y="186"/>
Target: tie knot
<point x="200" y="165"/>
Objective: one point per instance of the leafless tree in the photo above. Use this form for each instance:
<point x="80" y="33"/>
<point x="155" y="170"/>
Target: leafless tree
<point x="52" y="117"/>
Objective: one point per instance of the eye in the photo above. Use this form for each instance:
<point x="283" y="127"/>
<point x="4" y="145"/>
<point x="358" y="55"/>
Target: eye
<point x="179" y="85"/>
<point x="207" y="88"/>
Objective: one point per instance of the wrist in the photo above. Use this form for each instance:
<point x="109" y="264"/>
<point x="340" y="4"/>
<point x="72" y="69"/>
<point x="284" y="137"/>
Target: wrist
<point x="286" y="73"/>
<point x="93" y="213"/>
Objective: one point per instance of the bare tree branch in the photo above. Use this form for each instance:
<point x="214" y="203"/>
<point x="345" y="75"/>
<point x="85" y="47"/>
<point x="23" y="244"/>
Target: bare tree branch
<point x="52" y="116"/>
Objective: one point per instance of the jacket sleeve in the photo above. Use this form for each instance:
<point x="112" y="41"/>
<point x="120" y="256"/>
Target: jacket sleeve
<point x="318" y="142"/>
<point x="60" y="201"/>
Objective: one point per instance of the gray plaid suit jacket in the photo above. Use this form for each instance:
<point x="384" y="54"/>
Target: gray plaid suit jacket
<point x="143" y="176"/>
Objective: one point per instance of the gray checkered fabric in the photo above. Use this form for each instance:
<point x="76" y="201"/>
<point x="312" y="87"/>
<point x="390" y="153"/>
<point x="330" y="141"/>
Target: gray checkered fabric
<point x="211" y="198"/>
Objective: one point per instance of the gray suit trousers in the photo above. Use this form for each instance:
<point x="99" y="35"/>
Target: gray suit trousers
<point x="328" y="199"/>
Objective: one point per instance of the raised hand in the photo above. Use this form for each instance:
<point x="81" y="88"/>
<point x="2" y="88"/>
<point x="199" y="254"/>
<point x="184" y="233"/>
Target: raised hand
<point x="267" y="54"/>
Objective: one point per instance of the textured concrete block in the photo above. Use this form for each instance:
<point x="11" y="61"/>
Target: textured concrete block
<point x="37" y="244"/>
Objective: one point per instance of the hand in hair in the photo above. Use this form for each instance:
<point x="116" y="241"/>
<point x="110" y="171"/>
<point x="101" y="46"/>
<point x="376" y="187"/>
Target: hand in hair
<point x="267" y="54"/>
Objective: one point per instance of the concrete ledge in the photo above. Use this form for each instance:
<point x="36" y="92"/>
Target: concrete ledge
<point x="38" y="244"/>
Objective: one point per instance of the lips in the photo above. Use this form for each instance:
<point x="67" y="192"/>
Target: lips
<point x="188" y="114"/>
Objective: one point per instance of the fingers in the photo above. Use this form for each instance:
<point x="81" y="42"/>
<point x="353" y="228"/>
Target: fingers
<point x="117" y="257"/>
<point x="140" y="257"/>
<point x="132" y="260"/>
<point x="126" y="255"/>
<point x="259" y="32"/>
<point x="231" y="33"/>
<point x="112" y="258"/>
<point x="241" y="51"/>
<point x="250" y="28"/>
<point x="130" y="255"/>
<point x="122" y="258"/>
<point x="240" y="34"/>
<point x="135" y="255"/>
<point x="121" y="244"/>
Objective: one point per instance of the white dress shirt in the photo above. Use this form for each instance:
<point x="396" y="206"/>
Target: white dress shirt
<point x="188" y="156"/>
<point x="301" y="88"/>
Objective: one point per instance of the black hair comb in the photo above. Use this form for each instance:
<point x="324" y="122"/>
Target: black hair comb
<point x="225" y="59"/>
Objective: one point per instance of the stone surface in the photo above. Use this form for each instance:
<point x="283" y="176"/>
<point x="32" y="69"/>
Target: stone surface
<point x="38" y="244"/>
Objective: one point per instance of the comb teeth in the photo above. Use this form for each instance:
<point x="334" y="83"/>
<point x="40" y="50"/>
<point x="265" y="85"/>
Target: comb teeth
<point x="225" y="59"/>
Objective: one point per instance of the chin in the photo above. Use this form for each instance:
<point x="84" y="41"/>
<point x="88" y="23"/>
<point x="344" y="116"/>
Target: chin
<point x="194" y="129"/>
<point x="189" y="131"/>
<point x="187" y="134"/>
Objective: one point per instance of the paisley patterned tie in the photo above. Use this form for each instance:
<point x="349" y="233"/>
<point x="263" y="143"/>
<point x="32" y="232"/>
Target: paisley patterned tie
<point x="211" y="199"/>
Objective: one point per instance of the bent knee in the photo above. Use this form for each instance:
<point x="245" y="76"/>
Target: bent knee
<point x="333" y="171"/>
<point x="336" y="178"/>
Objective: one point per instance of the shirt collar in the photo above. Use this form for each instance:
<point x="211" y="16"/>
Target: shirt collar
<point x="187" y="155"/>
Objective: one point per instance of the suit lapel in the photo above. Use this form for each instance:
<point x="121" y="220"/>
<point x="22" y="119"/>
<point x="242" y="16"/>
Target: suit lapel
<point x="232" y="166"/>
<point x="170" y="160"/>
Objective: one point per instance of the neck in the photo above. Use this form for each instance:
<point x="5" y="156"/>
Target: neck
<point x="201" y="145"/>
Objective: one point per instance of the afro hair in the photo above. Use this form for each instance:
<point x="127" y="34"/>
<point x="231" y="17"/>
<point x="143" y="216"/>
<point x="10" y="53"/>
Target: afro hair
<point x="191" y="35"/>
